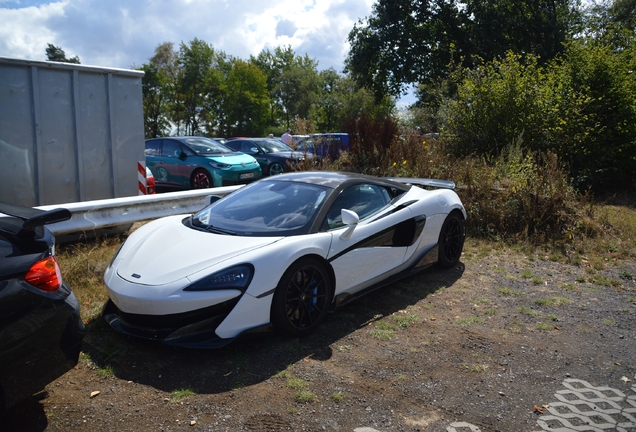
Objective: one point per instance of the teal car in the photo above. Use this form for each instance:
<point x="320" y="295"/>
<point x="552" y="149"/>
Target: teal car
<point x="197" y="162"/>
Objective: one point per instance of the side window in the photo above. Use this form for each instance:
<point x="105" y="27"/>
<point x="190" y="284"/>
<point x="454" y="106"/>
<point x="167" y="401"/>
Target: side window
<point x="246" y="147"/>
<point x="171" y="149"/>
<point x="153" y="148"/>
<point x="364" y="199"/>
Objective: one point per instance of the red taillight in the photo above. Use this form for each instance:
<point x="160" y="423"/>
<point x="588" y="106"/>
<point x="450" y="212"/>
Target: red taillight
<point x="45" y="275"/>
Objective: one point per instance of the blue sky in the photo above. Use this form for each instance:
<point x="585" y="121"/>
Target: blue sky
<point x="124" y="33"/>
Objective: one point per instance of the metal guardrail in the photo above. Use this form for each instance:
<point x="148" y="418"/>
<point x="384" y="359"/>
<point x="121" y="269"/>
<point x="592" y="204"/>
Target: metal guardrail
<point x="93" y="216"/>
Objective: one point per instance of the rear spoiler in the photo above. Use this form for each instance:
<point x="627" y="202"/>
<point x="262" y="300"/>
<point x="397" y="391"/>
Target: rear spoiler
<point x="33" y="217"/>
<point x="433" y="183"/>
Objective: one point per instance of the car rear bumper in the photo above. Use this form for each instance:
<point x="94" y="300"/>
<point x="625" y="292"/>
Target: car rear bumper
<point x="40" y="347"/>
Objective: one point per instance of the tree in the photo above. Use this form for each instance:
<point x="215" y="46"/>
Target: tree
<point x="197" y="84"/>
<point x="246" y="100"/>
<point x="57" y="54"/>
<point x="414" y="41"/>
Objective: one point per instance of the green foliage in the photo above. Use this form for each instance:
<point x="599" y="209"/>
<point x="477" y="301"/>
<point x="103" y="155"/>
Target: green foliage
<point x="57" y="54"/>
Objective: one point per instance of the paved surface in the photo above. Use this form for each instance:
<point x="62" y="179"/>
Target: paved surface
<point x="580" y="407"/>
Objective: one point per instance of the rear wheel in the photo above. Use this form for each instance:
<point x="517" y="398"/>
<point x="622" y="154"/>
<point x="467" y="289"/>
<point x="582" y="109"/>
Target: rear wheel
<point x="302" y="298"/>
<point x="201" y="179"/>
<point x="451" y="240"/>
<point x="275" y="169"/>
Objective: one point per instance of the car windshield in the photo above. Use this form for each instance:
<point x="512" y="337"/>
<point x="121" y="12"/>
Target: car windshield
<point x="266" y="208"/>
<point x="273" y="146"/>
<point x="206" y="146"/>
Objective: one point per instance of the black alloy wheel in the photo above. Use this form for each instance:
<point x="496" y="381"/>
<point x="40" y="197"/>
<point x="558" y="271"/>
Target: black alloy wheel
<point x="451" y="240"/>
<point x="302" y="298"/>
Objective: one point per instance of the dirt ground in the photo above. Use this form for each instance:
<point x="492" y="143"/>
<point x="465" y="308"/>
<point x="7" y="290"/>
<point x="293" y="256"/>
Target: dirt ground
<point x="505" y="341"/>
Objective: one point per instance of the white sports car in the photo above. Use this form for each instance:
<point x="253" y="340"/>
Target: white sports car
<point x="282" y="252"/>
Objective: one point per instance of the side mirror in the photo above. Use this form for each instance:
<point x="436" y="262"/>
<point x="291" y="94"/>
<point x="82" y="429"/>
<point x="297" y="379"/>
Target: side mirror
<point x="213" y="198"/>
<point x="182" y="156"/>
<point x="254" y="150"/>
<point x="350" y="219"/>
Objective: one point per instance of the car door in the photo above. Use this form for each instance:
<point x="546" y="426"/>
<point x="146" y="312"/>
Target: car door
<point x="377" y="246"/>
<point x="170" y="166"/>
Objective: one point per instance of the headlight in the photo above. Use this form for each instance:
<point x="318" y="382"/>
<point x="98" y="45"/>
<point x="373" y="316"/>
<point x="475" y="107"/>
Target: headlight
<point x="219" y="165"/>
<point x="238" y="277"/>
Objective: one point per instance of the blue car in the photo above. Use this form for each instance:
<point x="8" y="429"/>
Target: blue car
<point x="197" y="162"/>
<point x="324" y="144"/>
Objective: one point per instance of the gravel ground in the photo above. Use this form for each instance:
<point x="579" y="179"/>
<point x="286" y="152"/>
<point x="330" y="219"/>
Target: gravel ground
<point x="503" y="342"/>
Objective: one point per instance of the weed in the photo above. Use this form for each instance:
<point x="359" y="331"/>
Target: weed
<point x="526" y="274"/>
<point x="406" y="320"/>
<point x="626" y="275"/>
<point x="181" y="394"/>
<point x="490" y="312"/>
<point x="382" y="325"/>
<point x="552" y="301"/>
<point x="337" y="397"/>
<point x="297" y="383"/>
<point x="537" y="280"/>
<point x="383" y="335"/>
<point x="469" y="320"/>
<point x="569" y="287"/>
<point x="545" y="326"/>
<point x="479" y="368"/>
<point x="344" y="347"/>
<point x="305" y="396"/>
<point x="527" y="311"/>
<point x="609" y="321"/>
<point x="105" y="372"/>
<point x="509" y="292"/>
<point x="552" y="318"/>
<point x="601" y="280"/>
<point x="581" y="279"/>
<point x="292" y="410"/>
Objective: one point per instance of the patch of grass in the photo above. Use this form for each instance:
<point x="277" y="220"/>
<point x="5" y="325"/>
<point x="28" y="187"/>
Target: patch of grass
<point x="526" y="274"/>
<point x="297" y="383"/>
<point x="581" y="279"/>
<point x="569" y="287"/>
<point x="469" y="320"/>
<point x="383" y="325"/>
<point x="479" y="368"/>
<point x="537" y="280"/>
<point x="105" y="372"/>
<point x="405" y="321"/>
<point x="609" y="321"/>
<point x="305" y="396"/>
<point x="181" y="394"/>
<point x="337" y="397"/>
<point x="383" y="335"/>
<point x="344" y="347"/>
<point x="600" y="280"/>
<point x="552" y="317"/>
<point x="545" y="326"/>
<point x="484" y="301"/>
<point x="509" y="292"/>
<point x="292" y="410"/>
<point x="552" y="301"/>
<point x="528" y="311"/>
<point x="490" y="312"/>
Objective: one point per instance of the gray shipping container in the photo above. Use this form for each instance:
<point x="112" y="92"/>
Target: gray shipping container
<point x="68" y="132"/>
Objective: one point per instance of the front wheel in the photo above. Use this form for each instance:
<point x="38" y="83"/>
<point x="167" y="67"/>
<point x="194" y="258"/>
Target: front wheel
<point x="451" y="240"/>
<point x="275" y="169"/>
<point x="201" y="179"/>
<point x="302" y="298"/>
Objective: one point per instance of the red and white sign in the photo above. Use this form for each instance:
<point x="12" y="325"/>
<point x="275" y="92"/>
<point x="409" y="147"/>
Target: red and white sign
<point x="141" y="178"/>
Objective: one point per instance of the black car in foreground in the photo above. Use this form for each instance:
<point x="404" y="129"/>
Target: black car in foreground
<point x="40" y="327"/>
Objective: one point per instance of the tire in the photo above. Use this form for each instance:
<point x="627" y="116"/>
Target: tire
<point x="275" y="169"/>
<point x="302" y="298"/>
<point x="201" y="179"/>
<point x="451" y="240"/>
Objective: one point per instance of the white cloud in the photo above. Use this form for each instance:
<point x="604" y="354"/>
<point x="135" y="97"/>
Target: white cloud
<point x="122" y="33"/>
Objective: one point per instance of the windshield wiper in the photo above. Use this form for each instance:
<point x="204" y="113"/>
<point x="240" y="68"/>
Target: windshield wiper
<point x="217" y="230"/>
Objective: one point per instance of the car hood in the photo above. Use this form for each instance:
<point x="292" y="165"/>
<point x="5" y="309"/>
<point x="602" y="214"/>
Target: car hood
<point x="231" y="158"/>
<point x="170" y="251"/>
